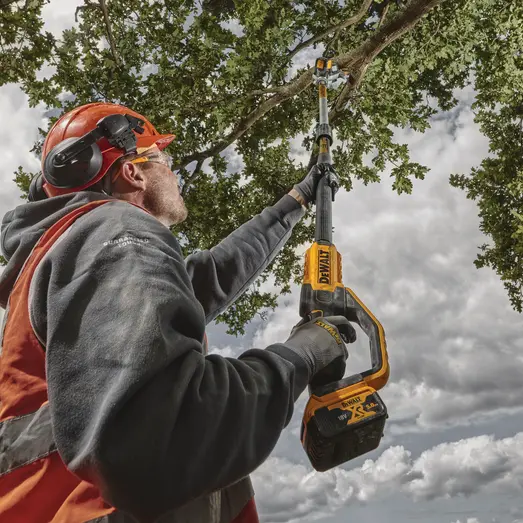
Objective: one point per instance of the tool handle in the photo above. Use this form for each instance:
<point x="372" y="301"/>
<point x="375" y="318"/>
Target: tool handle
<point x="342" y="301"/>
<point x="357" y="312"/>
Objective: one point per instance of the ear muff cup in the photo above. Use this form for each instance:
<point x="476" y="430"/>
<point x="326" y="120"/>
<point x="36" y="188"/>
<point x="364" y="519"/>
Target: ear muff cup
<point x="79" y="171"/>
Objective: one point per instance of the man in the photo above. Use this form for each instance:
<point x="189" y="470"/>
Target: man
<point x="111" y="410"/>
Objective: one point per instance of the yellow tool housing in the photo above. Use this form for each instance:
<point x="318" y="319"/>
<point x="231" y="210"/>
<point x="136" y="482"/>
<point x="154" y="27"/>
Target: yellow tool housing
<point x="343" y="419"/>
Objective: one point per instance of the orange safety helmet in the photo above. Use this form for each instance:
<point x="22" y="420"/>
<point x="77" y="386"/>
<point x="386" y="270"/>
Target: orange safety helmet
<point x="84" y="119"/>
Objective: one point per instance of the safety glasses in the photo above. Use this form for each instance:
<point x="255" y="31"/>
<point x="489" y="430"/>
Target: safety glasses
<point x="162" y="158"/>
<point x="157" y="157"/>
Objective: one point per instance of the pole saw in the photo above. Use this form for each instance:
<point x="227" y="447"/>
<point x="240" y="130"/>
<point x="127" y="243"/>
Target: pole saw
<point x="344" y="417"/>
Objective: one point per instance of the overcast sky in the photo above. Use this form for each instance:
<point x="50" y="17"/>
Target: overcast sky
<point x="453" y="445"/>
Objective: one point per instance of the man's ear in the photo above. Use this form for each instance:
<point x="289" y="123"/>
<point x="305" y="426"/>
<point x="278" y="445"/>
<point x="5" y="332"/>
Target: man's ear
<point x="132" y="175"/>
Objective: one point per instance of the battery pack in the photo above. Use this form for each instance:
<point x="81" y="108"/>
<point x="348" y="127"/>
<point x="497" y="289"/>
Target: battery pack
<point x="343" y="430"/>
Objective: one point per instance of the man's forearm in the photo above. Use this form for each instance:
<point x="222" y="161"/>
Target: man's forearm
<point x="220" y="275"/>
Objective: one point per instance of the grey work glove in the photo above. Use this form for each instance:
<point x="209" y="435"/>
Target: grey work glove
<point x="307" y="187"/>
<point x="317" y="340"/>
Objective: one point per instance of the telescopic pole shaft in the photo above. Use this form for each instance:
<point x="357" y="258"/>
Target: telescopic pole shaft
<point x="324" y="191"/>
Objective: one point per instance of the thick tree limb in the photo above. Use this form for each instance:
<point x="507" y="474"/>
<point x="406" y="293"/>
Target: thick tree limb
<point x="103" y="5"/>
<point x="399" y="26"/>
<point x="261" y="92"/>
<point x="355" y="61"/>
<point x="353" y="20"/>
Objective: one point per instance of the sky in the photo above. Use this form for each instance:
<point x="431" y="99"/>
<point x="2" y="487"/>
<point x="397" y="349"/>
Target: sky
<point x="453" y="445"/>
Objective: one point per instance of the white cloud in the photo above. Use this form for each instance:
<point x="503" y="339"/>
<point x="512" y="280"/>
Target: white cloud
<point x="17" y="138"/>
<point x="292" y="492"/>
<point x="467" y="467"/>
<point x="59" y="15"/>
<point x="233" y="25"/>
<point x="226" y="352"/>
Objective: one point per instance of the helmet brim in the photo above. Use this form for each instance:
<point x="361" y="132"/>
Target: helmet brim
<point x="160" y="140"/>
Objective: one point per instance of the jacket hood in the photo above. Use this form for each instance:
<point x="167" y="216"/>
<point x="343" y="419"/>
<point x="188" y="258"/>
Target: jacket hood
<point x="23" y="226"/>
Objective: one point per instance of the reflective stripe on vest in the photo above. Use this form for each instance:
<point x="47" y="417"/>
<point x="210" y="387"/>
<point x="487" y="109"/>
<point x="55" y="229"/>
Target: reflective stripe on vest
<point x="25" y="439"/>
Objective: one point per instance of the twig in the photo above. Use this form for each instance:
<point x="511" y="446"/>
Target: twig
<point x="383" y="15"/>
<point x="343" y="25"/>
<point x="103" y="5"/>
<point x="80" y="8"/>
<point x="334" y="39"/>
<point x="261" y="92"/>
<point x="194" y="174"/>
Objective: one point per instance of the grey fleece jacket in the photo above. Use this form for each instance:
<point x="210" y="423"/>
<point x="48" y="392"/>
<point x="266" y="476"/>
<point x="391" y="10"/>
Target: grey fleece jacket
<point x="137" y="407"/>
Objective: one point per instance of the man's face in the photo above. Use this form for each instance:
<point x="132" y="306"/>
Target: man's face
<point x="162" y="195"/>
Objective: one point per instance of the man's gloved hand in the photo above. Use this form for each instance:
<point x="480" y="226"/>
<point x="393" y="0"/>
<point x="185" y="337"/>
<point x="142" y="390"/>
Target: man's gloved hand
<point x="319" y="343"/>
<point x="307" y="187"/>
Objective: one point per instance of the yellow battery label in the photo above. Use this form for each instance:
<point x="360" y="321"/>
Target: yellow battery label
<point x="356" y="408"/>
<point x="355" y="413"/>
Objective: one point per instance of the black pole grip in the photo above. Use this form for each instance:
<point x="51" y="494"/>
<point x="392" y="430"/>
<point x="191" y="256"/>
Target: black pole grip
<point x="324" y="211"/>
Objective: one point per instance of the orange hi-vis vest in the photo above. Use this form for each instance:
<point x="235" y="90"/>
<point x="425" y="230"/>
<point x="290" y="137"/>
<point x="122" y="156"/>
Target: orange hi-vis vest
<point x="35" y="484"/>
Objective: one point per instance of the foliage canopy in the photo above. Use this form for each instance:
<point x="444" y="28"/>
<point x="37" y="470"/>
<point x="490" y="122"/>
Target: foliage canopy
<point x="235" y="77"/>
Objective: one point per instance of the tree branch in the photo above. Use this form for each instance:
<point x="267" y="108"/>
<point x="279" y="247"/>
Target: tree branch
<point x="261" y="92"/>
<point x="194" y="174"/>
<point x="383" y="15"/>
<point x="405" y="23"/>
<point x="347" y="23"/>
<point x="334" y="39"/>
<point x="356" y="61"/>
<point x="103" y="5"/>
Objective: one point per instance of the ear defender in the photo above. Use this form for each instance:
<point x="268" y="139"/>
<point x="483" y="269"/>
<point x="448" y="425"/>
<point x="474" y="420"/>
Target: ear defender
<point x="66" y="169"/>
<point x="78" y="162"/>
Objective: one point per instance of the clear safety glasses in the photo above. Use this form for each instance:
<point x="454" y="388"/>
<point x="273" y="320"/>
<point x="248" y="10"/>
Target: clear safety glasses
<point x="162" y="158"/>
<point x="157" y="157"/>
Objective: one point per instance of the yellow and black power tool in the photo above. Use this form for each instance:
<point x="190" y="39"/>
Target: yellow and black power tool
<point x="344" y="417"/>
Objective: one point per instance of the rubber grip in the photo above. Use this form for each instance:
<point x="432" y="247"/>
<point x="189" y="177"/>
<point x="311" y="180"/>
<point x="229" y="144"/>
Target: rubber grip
<point x="323" y="211"/>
